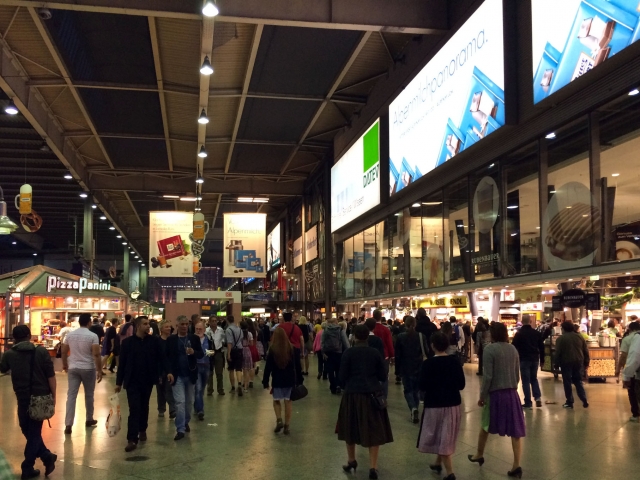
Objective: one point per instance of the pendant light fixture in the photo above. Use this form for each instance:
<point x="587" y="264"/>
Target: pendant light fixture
<point x="6" y="225"/>
<point x="209" y="9"/>
<point x="203" y="119"/>
<point x="11" y="108"/>
<point x="202" y="153"/>
<point x="206" y="68"/>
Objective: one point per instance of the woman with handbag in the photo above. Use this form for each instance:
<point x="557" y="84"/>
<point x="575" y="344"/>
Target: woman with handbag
<point x="247" y="357"/>
<point x="280" y="368"/>
<point x="441" y="379"/>
<point x="363" y="419"/>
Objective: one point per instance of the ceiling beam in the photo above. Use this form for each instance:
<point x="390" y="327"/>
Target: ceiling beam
<point x="137" y="182"/>
<point x="417" y="17"/>
<point x="257" y="35"/>
<point x="332" y="90"/>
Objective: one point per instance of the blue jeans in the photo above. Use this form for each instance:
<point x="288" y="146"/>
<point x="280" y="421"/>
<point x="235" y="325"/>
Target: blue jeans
<point x="529" y="374"/>
<point x="572" y="374"/>
<point x="183" y="391"/>
<point x="411" y="391"/>
<point x="201" y="384"/>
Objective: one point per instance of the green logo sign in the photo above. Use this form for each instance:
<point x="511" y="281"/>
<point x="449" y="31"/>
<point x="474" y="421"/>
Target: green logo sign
<point x="371" y="155"/>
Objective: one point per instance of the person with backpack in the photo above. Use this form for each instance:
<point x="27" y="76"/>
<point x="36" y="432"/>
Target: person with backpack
<point x="426" y="327"/>
<point x="334" y="343"/>
<point x="408" y="362"/>
<point x="294" y="334"/>
<point x="307" y="346"/>
<point x="384" y="334"/>
<point x="483" y="339"/>
<point x="31" y="375"/>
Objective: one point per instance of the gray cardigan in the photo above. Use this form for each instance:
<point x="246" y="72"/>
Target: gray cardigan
<point x="501" y="368"/>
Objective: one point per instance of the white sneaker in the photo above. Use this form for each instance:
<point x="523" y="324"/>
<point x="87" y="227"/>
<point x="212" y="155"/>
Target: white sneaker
<point x="634" y="419"/>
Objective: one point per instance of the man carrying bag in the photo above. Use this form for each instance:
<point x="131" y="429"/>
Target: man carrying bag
<point x="34" y="384"/>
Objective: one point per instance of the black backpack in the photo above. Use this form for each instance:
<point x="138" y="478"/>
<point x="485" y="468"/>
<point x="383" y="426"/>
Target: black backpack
<point x="305" y="332"/>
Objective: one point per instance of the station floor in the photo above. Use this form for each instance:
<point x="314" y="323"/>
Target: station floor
<point x="236" y="439"/>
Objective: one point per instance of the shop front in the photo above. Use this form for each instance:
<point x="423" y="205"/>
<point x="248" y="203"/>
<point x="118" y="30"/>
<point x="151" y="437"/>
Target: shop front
<point x="42" y="298"/>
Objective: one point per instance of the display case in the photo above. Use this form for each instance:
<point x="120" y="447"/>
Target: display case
<point x="602" y="362"/>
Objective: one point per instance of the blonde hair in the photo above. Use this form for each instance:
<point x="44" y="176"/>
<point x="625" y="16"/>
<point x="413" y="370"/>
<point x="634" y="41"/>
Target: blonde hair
<point x="343" y="325"/>
<point x="302" y="320"/>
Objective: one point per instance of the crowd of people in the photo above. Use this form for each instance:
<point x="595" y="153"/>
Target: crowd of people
<point x="182" y="357"/>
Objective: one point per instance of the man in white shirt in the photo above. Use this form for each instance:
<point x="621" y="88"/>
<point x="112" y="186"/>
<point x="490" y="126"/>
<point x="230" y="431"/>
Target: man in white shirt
<point x="631" y="372"/>
<point x="217" y="342"/>
<point x="83" y="366"/>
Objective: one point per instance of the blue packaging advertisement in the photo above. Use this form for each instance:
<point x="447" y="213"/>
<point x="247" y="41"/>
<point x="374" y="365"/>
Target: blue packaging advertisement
<point x="578" y="36"/>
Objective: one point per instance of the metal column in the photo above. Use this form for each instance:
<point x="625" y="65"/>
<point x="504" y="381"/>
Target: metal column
<point x="125" y="271"/>
<point x="87" y="233"/>
<point x="328" y="239"/>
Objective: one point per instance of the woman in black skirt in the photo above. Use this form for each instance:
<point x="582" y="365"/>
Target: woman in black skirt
<point x="361" y="421"/>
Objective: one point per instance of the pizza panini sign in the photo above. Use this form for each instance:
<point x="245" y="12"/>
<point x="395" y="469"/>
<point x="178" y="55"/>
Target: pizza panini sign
<point x="57" y="283"/>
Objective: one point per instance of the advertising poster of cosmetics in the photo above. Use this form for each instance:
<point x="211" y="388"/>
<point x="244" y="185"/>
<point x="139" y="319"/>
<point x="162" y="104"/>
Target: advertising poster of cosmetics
<point x="245" y="240"/>
<point x="170" y="245"/>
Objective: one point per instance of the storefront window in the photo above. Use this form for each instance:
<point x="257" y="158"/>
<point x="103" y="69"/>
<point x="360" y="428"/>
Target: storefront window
<point x="571" y="222"/>
<point x="382" y="257"/>
<point x="413" y="248"/>
<point x="620" y="177"/>
<point x="456" y="227"/>
<point x="486" y="223"/>
<point x="396" y="230"/>
<point x="522" y="236"/>
<point x="433" y="266"/>
<point x="368" y="282"/>
<point x="348" y="268"/>
<point x="358" y="264"/>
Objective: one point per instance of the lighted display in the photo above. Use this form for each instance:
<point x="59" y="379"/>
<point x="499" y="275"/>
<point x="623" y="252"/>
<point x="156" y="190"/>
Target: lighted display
<point x="273" y="247"/>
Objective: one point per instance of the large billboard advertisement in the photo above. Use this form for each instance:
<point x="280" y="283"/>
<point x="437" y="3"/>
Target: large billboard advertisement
<point x="297" y="252"/>
<point x="169" y="244"/>
<point x="245" y="237"/>
<point x="571" y="37"/>
<point x="355" y="179"/>
<point x="273" y="247"/>
<point x="311" y="244"/>
<point x="455" y="101"/>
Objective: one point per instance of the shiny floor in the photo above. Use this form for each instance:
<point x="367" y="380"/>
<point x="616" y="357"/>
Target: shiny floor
<point x="236" y="440"/>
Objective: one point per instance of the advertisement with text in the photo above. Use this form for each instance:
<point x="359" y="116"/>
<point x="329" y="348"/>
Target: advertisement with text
<point x="169" y="244"/>
<point x="245" y="237"/>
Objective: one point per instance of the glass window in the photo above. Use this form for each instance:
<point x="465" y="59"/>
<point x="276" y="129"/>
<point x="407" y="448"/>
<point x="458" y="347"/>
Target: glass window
<point x="382" y="257"/>
<point x="396" y="231"/>
<point x="413" y="248"/>
<point x="369" y="272"/>
<point x="522" y="236"/>
<point x="456" y="227"/>
<point x="485" y="223"/>
<point x="571" y="222"/>
<point x="620" y="178"/>
<point x="358" y="264"/>
<point x="348" y="268"/>
<point x="433" y="266"/>
<point x="339" y="263"/>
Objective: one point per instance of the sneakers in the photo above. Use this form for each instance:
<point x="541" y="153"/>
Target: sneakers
<point x="179" y="436"/>
<point x="538" y="403"/>
<point x="568" y="405"/>
<point x="160" y="414"/>
<point x="200" y="416"/>
<point x="415" y="416"/>
<point x="529" y="407"/>
<point x="634" y="419"/>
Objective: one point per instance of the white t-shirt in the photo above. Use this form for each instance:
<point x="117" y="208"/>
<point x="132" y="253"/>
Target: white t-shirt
<point x="80" y="342"/>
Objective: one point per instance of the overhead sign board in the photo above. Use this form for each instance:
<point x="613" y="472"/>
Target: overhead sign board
<point x="444" y="302"/>
<point x="455" y="101"/>
<point x="245" y="240"/>
<point x="355" y="179"/>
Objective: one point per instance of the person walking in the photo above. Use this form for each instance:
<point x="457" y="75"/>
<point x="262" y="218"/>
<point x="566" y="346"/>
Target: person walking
<point x="530" y="347"/>
<point x="501" y="408"/>
<point x="408" y="362"/>
<point x="383" y="333"/>
<point x="281" y="369"/>
<point x="317" y="350"/>
<point x="183" y="350"/>
<point x="632" y="330"/>
<point x="334" y="343"/>
<point x="127" y="329"/>
<point x="31" y="374"/>
<point x="631" y="372"/>
<point x="142" y="365"/>
<point x="442" y="379"/>
<point x="203" y="365"/>
<point x="106" y="351"/>
<point x="483" y="339"/>
<point x="247" y="359"/>
<point x="307" y="344"/>
<point x="373" y="341"/>
<point x="572" y="356"/>
<point x="426" y="327"/>
<point x="217" y="343"/>
<point x="363" y="418"/>
<point x="84" y="366"/>
<point x="111" y="336"/>
<point x="164" y="391"/>
<point x="235" y="356"/>
<point x="294" y="334"/>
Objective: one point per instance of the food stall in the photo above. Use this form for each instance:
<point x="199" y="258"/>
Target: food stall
<point x="42" y="297"/>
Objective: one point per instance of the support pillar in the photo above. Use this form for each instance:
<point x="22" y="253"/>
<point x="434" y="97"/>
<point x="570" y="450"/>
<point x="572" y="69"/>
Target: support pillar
<point x="303" y="279"/>
<point x="328" y="239"/>
<point x="125" y="272"/>
<point x="87" y="233"/>
<point x="143" y="283"/>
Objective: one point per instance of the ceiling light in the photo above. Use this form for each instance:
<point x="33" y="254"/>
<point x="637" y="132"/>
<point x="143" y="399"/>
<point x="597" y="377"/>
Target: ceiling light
<point x="628" y="273"/>
<point x="6" y="225"/>
<point x="260" y="200"/>
<point x="512" y="207"/>
<point x="203" y="119"/>
<point x="142" y="264"/>
<point x="210" y="9"/>
<point x="197" y="209"/>
<point x="11" y="108"/>
<point x="199" y="180"/>
<point x="137" y="256"/>
<point x="198" y="198"/>
<point x="139" y="261"/>
<point x="206" y="68"/>
<point x="112" y="228"/>
<point x="118" y="236"/>
<point x="188" y="199"/>
<point x="124" y="243"/>
<point x="615" y="174"/>
<point x="514" y="234"/>
<point x="416" y="205"/>
<point x="103" y="217"/>
<point x="83" y="195"/>
<point x="171" y="196"/>
<point x="202" y="153"/>
<point x="634" y="92"/>
<point x="432" y="203"/>
<point x="550" y="136"/>
<point x="245" y="199"/>
<point x="35" y="254"/>
<point x="94" y="206"/>
<point x="44" y="147"/>
<point x="397" y="214"/>
<point x="68" y="176"/>
<point x="492" y="165"/>
<point x="14" y="243"/>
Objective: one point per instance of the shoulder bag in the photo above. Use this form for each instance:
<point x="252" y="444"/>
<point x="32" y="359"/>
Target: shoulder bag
<point x="378" y="400"/>
<point x="41" y="407"/>
<point x="298" y="392"/>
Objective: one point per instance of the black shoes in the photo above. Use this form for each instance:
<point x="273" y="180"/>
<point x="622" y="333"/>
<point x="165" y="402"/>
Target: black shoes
<point x="568" y="405"/>
<point x="201" y="416"/>
<point x="415" y="416"/>
<point x="67" y="430"/>
<point x="172" y="415"/>
<point x="286" y="430"/>
<point x="50" y="465"/>
<point x="240" y="392"/>
<point x="436" y="468"/>
<point x="451" y="476"/>
<point x="585" y="404"/>
<point x="319" y="376"/>
<point x="131" y="446"/>
<point x="479" y="460"/>
<point x="279" y="426"/>
<point x="143" y="436"/>
<point x="250" y="384"/>
<point x="373" y="474"/>
<point x="538" y="403"/>
<point x="350" y="466"/>
<point x="529" y="407"/>
<point x="187" y="428"/>
<point x="515" y="473"/>
<point x="221" y="393"/>
<point x="32" y="474"/>
<point x="179" y="436"/>
<point x="91" y="423"/>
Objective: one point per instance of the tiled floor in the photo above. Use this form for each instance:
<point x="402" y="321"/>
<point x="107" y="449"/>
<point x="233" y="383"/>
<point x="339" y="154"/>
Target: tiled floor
<point x="236" y="440"/>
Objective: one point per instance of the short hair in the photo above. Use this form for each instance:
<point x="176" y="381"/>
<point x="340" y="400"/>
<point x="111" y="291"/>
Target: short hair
<point x="567" y="326"/>
<point x="182" y="319"/>
<point x="127" y="318"/>
<point x="139" y="319"/>
<point x="377" y="315"/>
<point x="409" y="322"/>
<point x="611" y="324"/>
<point x="361" y="332"/>
<point x="370" y="323"/>
<point x="287" y="316"/>
<point x="162" y="323"/>
<point x="114" y="321"/>
<point x="634" y="326"/>
<point x="199" y="323"/>
<point x="439" y="341"/>
<point x="452" y="319"/>
<point x="230" y="318"/>
<point x="633" y="318"/>
<point x="480" y="319"/>
<point x="499" y="332"/>
<point x="421" y="313"/>
<point x="526" y="320"/>
<point x="84" y="320"/>
<point x="194" y="317"/>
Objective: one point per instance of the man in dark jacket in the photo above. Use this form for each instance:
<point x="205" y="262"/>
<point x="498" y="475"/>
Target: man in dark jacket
<point x="530" y="348"/>
<point x="40" y="381"/>
<point x="142" y="365"/>
<point x="183" y="350"/>
<point x="426" y="327"/>
<point x="572" y="356"/>
<point x="408" y="364"/>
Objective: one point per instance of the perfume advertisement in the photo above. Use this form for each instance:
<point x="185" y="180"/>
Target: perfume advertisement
<point x="572" y="37"/>
<point x="169" y="244"/>
<point x="244" y="242"/>
<point x="455" y="101"/>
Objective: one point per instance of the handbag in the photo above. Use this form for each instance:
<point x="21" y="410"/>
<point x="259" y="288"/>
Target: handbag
<point x="378" y="400"/>
<point x="41" y="407"/>
<point x="298" y="392"/>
